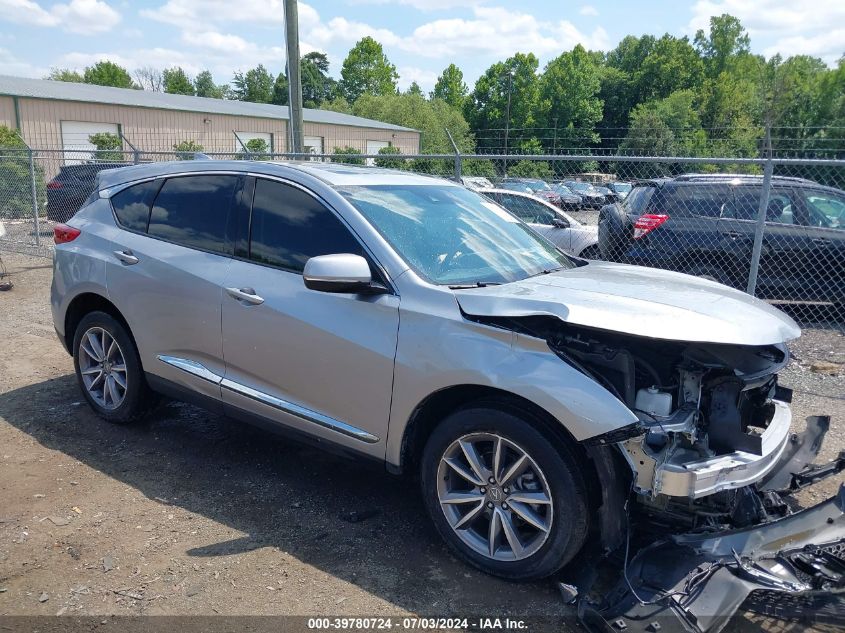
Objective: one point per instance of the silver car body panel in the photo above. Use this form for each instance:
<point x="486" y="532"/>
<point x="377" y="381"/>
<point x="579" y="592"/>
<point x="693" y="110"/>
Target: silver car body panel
<point x="667" y="305"/>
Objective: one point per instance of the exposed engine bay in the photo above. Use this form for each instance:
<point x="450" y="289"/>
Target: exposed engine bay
<point x="705" y="472"/>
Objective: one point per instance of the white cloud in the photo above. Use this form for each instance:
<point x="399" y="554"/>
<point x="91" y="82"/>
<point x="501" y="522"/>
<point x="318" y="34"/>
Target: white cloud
<point x="193" y="13"/>
<point x="409" y="74"/>
<point x="77" y="16"/>
<point x="588" y="9"/>
<point x="499" y="32"/>
<point x="11" y="65"/>
<point x="155" y="57"/>
<point x="793" y="28"/>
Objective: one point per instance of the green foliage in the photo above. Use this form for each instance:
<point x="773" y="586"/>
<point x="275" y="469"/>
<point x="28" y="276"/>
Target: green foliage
<point x="726" y="41"/>
<point x="65" y="74"/>
<point x="15" y="180"/>
<point x="414" y="89"/>
<point x="176" y="81"/>
<point x="390" y="161"/>
<point x="366" y="70"/>
<point x="256" y="149"/>
<point x="478" y="167"/>
<point x="107" y="73"/>
<point x="280" y="90"/>
<point x="569" y="98"/>
<point x="486" y="107"/>
<point x="531" y="169"/>
<point x="338" y="104"/>
<point x="185" y="150"/>
<point x="450" y="87"/>
<point x="347" y="155"/>
<point x="256" y="85"/>
<point x="204" y="86"/>
<point x="109" y="146"/>
<point x="317" y="86"/>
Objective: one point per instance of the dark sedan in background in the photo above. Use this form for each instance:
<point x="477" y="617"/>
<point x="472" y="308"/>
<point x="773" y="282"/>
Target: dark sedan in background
<point x="70" y="188"/>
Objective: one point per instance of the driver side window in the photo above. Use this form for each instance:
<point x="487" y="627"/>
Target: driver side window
<point x="826" y="209"/>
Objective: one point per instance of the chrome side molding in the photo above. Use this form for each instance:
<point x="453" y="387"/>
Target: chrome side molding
<point x="201" y="371"/>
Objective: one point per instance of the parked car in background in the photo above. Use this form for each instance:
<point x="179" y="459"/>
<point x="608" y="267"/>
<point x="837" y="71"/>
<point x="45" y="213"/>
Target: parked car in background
<point x="704" y="225"/>
<point x="537" y="186"/>
<point x="560" y="229"/>
<point x="621" y="189"/>
<point x="476" y="182"/>
<point x="591" y="198"/>
<point x="543" y="401"/>
<point x="609" y="195"/>
<point x="71" y="186"/>
<point x="568" y="199"/>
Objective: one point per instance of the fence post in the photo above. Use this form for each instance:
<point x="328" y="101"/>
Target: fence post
<point x="34" y="191"/>
<point x="759" y="229"/>
<point x="135" y="153"/>
<point x="457" y="156"/>
<point x="241" y="143"/>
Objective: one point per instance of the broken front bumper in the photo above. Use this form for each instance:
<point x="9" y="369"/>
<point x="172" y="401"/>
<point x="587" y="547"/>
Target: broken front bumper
<point x="696" y="581"/>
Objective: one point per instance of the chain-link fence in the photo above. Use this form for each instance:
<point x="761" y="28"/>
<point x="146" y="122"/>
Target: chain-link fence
<point x="772" y="227"/>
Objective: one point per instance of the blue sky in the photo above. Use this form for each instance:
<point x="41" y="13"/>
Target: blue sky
<point x="420" y="37"/>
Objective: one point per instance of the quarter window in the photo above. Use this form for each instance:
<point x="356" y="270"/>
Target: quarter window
<point x="132" y="205"/>
<point x="826" y="209"/>
<point x="528" y="210"/>
<point x="193" y="210"/>
<point x="289" y="227"/>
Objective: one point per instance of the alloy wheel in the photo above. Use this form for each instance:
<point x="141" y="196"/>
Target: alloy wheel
<point x="494" y="496"/>
<point x="103" y="368"/>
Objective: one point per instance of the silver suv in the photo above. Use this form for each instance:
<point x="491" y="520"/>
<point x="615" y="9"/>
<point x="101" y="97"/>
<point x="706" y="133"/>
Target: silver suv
<point x="412" y="321"/>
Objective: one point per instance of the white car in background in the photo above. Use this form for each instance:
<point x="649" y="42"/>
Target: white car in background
<point x="476" y="182"/>
<point x="560" y="228"/>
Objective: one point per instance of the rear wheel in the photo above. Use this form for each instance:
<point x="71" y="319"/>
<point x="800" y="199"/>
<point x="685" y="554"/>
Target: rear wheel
<point x="506" y="497"/>
<point x="108" y="369"/>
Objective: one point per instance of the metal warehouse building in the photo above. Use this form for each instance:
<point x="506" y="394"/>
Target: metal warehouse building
<point x="55" y="115"/>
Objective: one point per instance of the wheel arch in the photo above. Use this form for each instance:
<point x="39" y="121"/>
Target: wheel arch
<point x="83" y="304"/>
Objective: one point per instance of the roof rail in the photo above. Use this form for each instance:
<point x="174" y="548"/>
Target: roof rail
<point x="722" y="176"/>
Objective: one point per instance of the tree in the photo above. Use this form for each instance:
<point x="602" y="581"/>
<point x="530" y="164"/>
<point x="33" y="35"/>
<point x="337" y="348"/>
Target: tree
<point x="185" y="150"/>
<point x="649" y="135"/>
<point x="348" y="155"/>
<point x="366" y="70"/>
<point x="726" y="41"/>
<point x="531" y="169"/>
<point x="450" y="87"/>
<point x="414" y="89"/>
<point x="65" y="74"/>
<point x="671" y="64"/>
<point x="204" y="86"/>
<point x="390" y="161"/>
<point x="317" y="86"/>
<point x="677" y="114"/>
<point x="569" y="98"/>
<point x="338" y="104"/>
<point x="280" y="90"/>
<point x="15" y="180"/>
<point x="176" y="81"/>
<point x="149" y="78"/>
<point x="109" y="146"/>
<point x="256" y="149"/>
<point x="255" y="86"/>
<point x="486" y="108"/>
<point x="107" y="73"/>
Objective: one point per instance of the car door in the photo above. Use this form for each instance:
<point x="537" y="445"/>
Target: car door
<point x="540" y="217"/>
<point x="318" y="362"/>
<point x="822" y="212"/>
<point x="166" y="267"/>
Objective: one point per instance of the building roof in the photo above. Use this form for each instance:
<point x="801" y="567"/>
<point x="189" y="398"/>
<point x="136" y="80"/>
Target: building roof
<point x="89" y="93"/>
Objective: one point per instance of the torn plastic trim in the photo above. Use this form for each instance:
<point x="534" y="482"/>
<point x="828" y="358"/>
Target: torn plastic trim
<point x="695" y="582"/>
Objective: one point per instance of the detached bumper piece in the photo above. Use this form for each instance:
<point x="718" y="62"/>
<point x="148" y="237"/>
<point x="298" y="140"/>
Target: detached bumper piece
<point x="695" y="583"/>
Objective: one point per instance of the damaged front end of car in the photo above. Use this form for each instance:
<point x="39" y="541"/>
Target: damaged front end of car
<point x="694" y="514"/>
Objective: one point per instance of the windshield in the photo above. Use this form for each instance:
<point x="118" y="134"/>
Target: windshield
<point x="454" y="236"/>
<point x="622" y="187"/>
<point x="580" y="186"/>
<point x="516" y="186"/>
<point x="539" y="185"/>
<point x="561" y="188"/>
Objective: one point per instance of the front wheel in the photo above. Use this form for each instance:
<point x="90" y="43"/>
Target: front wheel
<point x="506" y="497"/>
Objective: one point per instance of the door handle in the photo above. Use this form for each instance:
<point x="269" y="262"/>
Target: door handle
<point x="733" y="234"/>
<point x="247" y="295"/>
<point x="821" y="240"/>
<point x="126" y="257"/>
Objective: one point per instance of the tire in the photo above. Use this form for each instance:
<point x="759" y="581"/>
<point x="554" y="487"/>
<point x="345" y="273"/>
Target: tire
<point x="135" y="398"/>
<point x="591" y="252"/>
<point x="551" y="470"/>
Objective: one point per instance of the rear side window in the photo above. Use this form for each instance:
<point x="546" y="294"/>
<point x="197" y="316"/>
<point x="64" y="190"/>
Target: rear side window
<point x="704" y="200"/>
<point x="132" y="205"/>
<point x="289" y="227"/>
<point x="193" y="211"/>
<point x="637" y="200"/>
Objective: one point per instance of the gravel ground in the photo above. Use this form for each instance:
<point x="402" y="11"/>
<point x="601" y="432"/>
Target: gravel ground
<point x="190" y="513"/>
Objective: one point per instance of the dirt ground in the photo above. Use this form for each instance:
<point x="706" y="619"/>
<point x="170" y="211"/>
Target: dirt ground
<point x="191" y="513"/>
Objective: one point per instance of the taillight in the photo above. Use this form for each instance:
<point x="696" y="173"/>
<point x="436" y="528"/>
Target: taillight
<point x="646" y="223"/>
<point x="62" y="233"/>
<point x="55" y="184"/>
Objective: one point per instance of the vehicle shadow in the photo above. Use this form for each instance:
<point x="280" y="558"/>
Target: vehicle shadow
<point x="277" y="494"/>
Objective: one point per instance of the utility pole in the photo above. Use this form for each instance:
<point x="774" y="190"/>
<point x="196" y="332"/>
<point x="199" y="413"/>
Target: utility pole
<point x="294" y="77"/>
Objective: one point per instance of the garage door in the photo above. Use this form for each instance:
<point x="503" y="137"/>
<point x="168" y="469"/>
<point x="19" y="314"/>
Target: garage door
<point x="78" y="148"/>
<point x="373" y="147"/>
<point x="314" y="144"/>
<point x="246" y="137"/>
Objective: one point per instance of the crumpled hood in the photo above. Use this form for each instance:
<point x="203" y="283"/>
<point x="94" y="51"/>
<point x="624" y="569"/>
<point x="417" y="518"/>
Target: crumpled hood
<point x="639" y="301"/>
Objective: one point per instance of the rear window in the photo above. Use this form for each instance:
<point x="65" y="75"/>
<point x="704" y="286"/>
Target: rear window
<point x="193" y="211"/>
<point x="637" y="200"/>
<point x="132" y="205"/>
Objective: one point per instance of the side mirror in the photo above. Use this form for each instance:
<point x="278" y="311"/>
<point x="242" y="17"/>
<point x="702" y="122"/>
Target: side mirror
<point x="343" y="273"/>
<point x="560" y="223"/>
